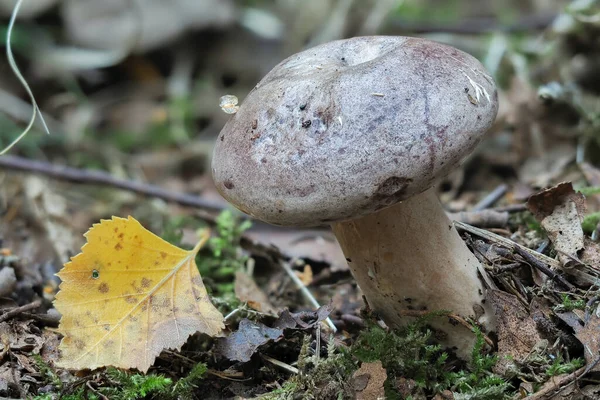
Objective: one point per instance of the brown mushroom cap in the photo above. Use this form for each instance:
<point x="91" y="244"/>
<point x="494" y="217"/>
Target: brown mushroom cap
<point x="350" y="127"/>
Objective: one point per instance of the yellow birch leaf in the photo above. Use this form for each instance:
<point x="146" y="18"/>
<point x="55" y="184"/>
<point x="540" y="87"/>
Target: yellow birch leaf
<point x="129" y="295"/>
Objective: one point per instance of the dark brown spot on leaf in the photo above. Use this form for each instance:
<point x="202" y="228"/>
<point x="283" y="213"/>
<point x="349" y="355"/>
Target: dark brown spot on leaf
<point x="103" y="288"/>
<point x="146" y="283"/>
<point x="118" y="246"/>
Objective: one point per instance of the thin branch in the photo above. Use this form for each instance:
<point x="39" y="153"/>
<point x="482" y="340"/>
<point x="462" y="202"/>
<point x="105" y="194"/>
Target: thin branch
<point x="95" y="177"/>
<point x="16" y="311"/>
<point x="491" y="198"/>
<point x="543" y="267"/>
<point x="557" y="383"/>
<point x="281" y="364"/>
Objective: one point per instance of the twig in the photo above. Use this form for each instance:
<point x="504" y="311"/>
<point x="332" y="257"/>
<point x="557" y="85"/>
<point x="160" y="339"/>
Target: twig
<point x="546" y="390"/>
<point x="305" y="292"/>
<point x="96" y="392"/>
<point x="18" y="310"/>
<point x="512" y="208"/>
<point x="534" y="262"/>
<point x="83" y="176"/>
<point x="492" y="237"/>
<point x="538" y="260"/>
<point x="227" y="375"/>
<point x="281" y="364"/>
<point x="481" y="218"/>
<point x="491" y="198"/>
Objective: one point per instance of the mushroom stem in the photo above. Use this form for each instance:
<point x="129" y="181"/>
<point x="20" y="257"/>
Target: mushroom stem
<point x="410" y="257"/>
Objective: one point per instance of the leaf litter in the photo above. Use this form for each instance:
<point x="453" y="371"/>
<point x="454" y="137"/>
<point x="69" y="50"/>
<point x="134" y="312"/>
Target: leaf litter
<point x="530" y="148"/>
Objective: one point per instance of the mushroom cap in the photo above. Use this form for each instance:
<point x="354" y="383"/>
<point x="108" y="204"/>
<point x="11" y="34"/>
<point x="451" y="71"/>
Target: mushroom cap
<point x="349" y="127"/>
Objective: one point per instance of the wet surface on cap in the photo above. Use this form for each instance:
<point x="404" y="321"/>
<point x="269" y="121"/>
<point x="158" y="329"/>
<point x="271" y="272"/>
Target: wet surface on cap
<point x="350" y="127"/>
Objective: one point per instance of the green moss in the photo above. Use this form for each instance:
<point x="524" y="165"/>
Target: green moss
<point x="409" y="353"/>
<point x="183" y="388"/>
<point x="130" y="386"/>
<point x="590" y="222"/>
<point x="223" y="256"/>
<point x="559" y="366"/>
<point x="570" y="304"/>
<point x="319" y="377"/>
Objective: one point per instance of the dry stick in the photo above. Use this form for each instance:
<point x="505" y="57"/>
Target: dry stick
<point x="306" y="292"/>
<point x="19" y="310"/>
<point x="96" y="392"/>
<point x="491" y="198"/>
<point x="76" y="175"/>
<point x="538" y="256"/>
<point x="507" y="243"/>
<point x="534" y="262"/>
<point x="512" y="208"/>
<point x="280" y="364"/>
<point x="562" y="382"/>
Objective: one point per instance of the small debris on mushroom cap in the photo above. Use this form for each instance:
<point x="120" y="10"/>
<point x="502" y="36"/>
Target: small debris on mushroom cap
<point x="352" y="126"/>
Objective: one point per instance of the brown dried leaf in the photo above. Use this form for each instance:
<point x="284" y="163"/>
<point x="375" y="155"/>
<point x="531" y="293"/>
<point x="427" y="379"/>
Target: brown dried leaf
<point x="560" y="211"/>
<point x="517" y="333"/>
<point x="302" y="319"/>
<point x="247" y="291"/>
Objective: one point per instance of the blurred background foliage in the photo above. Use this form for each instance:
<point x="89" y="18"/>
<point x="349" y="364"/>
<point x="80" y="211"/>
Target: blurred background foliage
<point x="133" y="87"/>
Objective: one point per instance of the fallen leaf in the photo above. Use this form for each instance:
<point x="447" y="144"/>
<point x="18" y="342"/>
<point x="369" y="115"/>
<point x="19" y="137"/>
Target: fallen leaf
<point x="517" y="332"/>
<point x="560" y="211"/>
<point x="540" y="171"/>
<point x="242" y="344"/>
<point x="247" y="291"/>
<point x="50" y="211"/>
<point x="302" y="319"/>
<point x="368" y="381"/>
<point x="129" y="295"/>
<point x="312" y="245"/>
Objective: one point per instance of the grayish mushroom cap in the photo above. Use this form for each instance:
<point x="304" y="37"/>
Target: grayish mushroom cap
<point x="350" y="127"/>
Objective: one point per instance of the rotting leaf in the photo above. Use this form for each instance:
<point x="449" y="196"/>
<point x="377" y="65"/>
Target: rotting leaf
<point x="560" y="211"/>
<point x="517" y="332"/>
<point x="242" y="344"/>
<point x="302" y="319"/>
<point x="247" y="291"/>
<point x="129" y="295"/>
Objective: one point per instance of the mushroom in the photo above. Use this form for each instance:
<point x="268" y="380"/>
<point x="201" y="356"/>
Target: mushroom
<point x="355" y="133"/>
